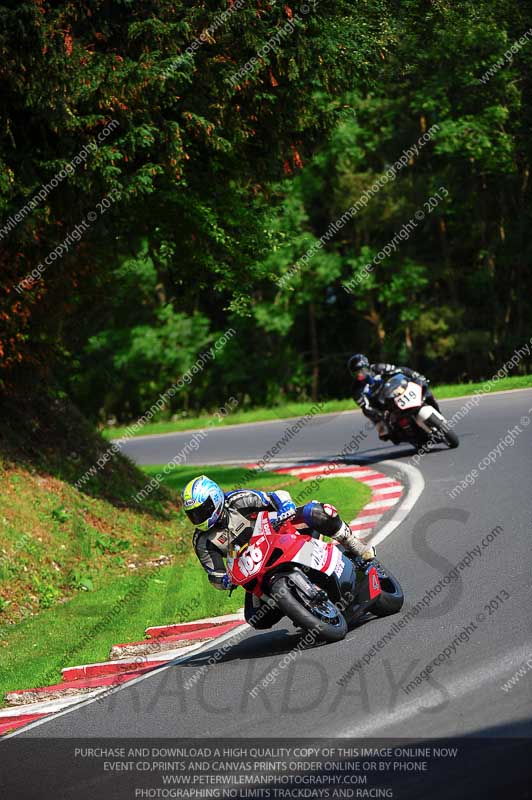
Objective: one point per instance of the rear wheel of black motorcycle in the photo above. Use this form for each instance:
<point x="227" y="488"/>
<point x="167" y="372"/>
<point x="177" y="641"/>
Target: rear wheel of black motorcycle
<point x="450" y="436"/>
<point x="319" y="616"/>
<point x="392" y="598"/>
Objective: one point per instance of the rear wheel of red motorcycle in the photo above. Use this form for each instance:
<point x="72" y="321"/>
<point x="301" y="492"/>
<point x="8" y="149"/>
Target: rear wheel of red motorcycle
<point x="320" y="616"/>
<point x="392" y="598"/>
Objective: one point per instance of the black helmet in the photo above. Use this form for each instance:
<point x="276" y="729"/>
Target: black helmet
<point x="358" y="366"/>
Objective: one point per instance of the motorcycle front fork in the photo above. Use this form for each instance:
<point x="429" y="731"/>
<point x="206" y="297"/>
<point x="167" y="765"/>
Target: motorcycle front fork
<point x="424" y="413"/>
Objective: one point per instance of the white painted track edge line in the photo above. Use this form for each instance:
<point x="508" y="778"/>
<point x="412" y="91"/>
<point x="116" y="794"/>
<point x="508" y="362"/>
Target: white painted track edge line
<point x="151" y="673"/>
<point x="413" y="487"/>
<point x="121" y="439"/>
<point x="46" y="706"/>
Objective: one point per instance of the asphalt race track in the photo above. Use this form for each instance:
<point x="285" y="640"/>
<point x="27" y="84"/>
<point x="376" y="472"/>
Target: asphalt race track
<point x="462" y="695"/>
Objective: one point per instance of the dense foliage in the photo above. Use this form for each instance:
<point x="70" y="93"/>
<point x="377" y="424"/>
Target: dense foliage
<point x="219" y="177"/>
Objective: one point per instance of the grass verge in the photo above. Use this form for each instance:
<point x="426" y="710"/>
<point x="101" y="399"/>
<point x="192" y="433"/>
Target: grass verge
<point x="289" y="410"/>
<point x="69" y="632"/>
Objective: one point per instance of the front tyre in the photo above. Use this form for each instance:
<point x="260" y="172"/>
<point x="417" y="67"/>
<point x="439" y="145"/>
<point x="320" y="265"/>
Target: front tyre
<point x="443" y="428"/>
<point x="318" y="615"/>
<point x="391" y="600"/>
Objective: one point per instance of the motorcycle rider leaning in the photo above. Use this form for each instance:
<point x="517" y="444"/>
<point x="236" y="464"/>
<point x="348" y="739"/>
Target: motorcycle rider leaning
<point x="223" y="517"/>
<point x="369" y="380"/>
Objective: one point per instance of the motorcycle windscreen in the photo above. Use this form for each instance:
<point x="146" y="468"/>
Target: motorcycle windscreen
<point x="395" y="386"/>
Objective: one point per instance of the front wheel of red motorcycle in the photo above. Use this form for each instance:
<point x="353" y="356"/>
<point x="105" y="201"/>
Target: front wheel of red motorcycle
<point x="318" y="615"/>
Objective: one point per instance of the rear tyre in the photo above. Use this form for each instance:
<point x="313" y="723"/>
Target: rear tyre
<point x="442" y="427"/>
<point x="320" y="616"/>
<point x="392" y="598"/>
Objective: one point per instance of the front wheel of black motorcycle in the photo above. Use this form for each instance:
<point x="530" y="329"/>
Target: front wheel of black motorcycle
<point x="391" y="599"/>
<point x="317" y="615"/>
<point x="442" y="427"/>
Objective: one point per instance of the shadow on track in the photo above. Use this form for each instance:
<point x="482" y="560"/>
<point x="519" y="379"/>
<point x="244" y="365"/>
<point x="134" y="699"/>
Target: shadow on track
<point x="275" y="642"/>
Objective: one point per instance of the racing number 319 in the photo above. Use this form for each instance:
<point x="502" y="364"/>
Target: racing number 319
<point x="406" y="398"/>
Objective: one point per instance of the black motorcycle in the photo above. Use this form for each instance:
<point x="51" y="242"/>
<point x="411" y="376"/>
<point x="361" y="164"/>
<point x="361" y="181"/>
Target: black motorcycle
<point x="410" y="415"/>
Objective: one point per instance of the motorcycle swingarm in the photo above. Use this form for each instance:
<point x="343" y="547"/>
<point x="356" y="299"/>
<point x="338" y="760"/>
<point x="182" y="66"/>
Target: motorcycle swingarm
<point x="358" y="611"/>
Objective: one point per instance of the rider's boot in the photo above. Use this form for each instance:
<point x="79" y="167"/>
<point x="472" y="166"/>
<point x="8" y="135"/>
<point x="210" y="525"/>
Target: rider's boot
<point x="324" y="518"/>
<point x="362" y="553"/>
<point x="354" y="547"/>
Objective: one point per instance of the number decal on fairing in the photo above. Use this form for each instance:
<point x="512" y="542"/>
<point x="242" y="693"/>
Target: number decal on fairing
<point x="319" y="554"/>
<point x="411" y="397"/>
<point x="250" y="561"/>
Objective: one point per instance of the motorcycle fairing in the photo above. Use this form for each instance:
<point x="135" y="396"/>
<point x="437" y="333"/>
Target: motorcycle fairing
<point x="258" y="557"/>
<point x="424" y="414"/>
<point x="374" y="584"/>
<point x="343" y="579"/>
<point x="318" y="555"/>
<point x="368" y="589"/>
<point x="410" y="397"/>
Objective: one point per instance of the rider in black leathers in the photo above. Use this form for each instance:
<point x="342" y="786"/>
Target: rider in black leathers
<point x="369" y="380"/>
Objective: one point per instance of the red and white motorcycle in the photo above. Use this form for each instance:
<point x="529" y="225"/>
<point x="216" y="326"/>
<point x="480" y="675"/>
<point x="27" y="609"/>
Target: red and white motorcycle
<point x="410" y="417"/>
<point x="313" y="582"/>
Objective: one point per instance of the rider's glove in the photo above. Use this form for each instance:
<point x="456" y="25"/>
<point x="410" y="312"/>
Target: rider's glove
<point x="226" y="580"/>
<point x="284" y="505"/>
<point x="283" y="516"/>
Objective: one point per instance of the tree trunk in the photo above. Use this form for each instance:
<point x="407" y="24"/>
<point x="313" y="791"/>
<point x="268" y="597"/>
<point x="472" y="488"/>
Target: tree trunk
<point x="315" y="352"/>
<point x="408" y="341"/>
<point x="374" y="317"/>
